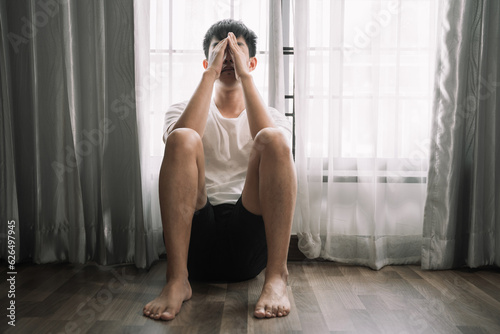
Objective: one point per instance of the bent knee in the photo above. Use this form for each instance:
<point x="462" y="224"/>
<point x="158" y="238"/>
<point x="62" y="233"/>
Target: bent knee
<point x="183" y="140"/>
<point x="272" y="139"/>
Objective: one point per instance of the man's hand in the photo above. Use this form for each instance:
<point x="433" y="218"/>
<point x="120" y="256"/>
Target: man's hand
<point x="216" y="58"/>
<point x="240" y="59"/>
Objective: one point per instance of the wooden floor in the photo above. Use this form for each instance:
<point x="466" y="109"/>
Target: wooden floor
<point x="325" y="297"/>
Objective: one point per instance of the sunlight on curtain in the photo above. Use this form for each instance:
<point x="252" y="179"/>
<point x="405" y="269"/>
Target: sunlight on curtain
<point x="172" y="68"/>
<point x="364" y="74"/>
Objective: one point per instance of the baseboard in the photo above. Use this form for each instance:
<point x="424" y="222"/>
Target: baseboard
<point x="294" y="254"/>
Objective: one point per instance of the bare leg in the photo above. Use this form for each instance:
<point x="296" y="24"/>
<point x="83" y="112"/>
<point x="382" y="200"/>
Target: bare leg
<point x="182" y="191"/>
<point x="270" y="190"/>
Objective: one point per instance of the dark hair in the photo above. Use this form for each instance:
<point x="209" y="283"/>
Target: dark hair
<point x="220" y="30"/>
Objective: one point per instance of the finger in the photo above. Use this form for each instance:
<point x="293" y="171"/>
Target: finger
<point x="224" y="45"/>
<point x="233" y="47"/>
<point x="228" y="45"/>
<point x="224" y="41"/>
<point x="230" y="49"/>
<point x="218" y="51"/>
<point x="219" y="46"/>
<point x="234" y="42"/>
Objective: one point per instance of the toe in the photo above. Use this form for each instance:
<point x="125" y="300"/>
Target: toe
<point x="147" y="309"/>
<point x="167" y="316"/>
<point x="280" y="311"/>
<point x="269" y="311"/>
<point x="153" y="312"/>
<point x="259" y="312"/>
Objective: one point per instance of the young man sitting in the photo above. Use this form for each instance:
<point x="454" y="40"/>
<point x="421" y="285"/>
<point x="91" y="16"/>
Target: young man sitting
<point x="227" y="182"/>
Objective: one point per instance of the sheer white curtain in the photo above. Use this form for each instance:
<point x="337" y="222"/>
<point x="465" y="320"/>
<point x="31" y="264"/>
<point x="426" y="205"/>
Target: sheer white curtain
<point x="363" y="83"/>
<point x="169" y="55"/>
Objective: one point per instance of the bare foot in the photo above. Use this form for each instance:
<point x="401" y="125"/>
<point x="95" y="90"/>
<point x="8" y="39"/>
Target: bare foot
<point x="168" y="304"/>
<point x="273" y="301"/>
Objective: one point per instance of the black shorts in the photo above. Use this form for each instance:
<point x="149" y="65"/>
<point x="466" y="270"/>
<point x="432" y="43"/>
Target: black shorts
<point x="228" y="244"/>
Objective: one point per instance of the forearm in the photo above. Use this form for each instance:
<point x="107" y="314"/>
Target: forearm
<point x="196" y="112"/>
<point x="258" y="116"/>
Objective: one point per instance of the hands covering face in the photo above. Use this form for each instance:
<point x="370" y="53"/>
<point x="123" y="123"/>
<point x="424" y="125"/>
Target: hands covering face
<point x="226" y="48"/>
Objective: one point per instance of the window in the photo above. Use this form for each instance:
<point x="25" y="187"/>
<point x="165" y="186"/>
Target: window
<point x="371" y="64"/>
<point x="370" y="68"/>
<point x="177" y="30"/>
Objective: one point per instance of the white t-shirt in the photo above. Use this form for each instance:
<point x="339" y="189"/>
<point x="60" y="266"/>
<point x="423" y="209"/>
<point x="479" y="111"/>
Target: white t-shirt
<point x="227" y="143"/>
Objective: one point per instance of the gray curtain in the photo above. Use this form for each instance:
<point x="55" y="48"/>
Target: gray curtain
<point x="69" y="164"/>
<point x="462" y="212"/>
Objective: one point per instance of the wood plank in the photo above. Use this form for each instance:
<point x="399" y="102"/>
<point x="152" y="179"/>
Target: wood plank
<point x="296" y="275"/>
<point x="345" y="291"/>
<point x="336" y="316"/>
<point x="386" y="321"/>
<point x="38" y="325"/>
<point x="472" y="330"/>
<point x="481" y="283"/>
<point x="235" y="312"/>
<point x="429" y="316"/>
<point x="408" y="272"/>
<point x="325" y="297"/>
<point x="36" y="285"/>
<point x="320" y="275"/>
<point x="106" y="327"/>
<point x="491" y="275"/>
<point x="465" y="303"/>
<point x="363" y="322"/>
<point x="309" y="311"/>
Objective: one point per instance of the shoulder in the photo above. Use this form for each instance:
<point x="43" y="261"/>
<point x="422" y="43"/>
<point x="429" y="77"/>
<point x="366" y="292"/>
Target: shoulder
<point x="171" y="116"/>
<point x="281" y="121"/>
<point x="275" y="112"/>
<point x="180" y="106"/>
<point x="279" y="117"/>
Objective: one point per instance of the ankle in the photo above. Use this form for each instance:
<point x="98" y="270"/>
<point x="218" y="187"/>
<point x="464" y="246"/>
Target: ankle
<point x="277" y="273"/>
<point x="178" y="278"/>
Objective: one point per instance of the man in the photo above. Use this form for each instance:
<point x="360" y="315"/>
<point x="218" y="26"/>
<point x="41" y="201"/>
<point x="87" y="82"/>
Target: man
<point x="227" y="182"/>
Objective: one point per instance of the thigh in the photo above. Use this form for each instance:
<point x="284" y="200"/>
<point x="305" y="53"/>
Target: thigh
<point x="250" y="194"/>
<point x="183" y="158"/>
<point x="267" y="143"/>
